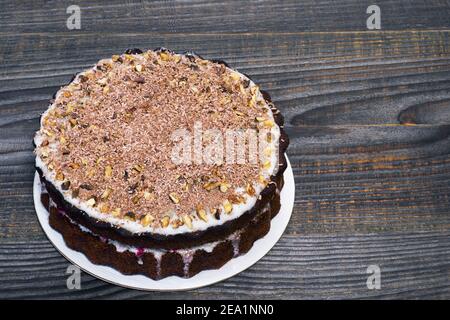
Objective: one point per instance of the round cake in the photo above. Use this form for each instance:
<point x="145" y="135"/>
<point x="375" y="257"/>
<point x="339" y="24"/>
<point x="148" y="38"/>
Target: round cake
<point x="161" y="164"/>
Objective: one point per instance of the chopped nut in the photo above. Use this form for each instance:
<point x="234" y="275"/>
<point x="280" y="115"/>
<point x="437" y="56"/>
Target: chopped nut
<point x="59" y="176"/>
<point x="147" y="219"/>
<point x="224" y="187"/>
<point x="108" y="171"/>
<point x="138" y="168"/>
<point x="74" y="87"/>
<point x="104" y="207"/>
<point x="187" y="221"/>
<point x="210" y="185"/>
<point x="73" y="122"/>
<point x="252" y="101"/>
<point x="250" y="190"/>
<point x="165" y="221"/>
<point x="83" y="78"/>
<point x="216" y="213"/>
<point x="132" y="188"/>
<point x="202" y="214"/>
<point x="106" y="90"/>
<point x="86" y="186"/>
<point x="260" y="119"/>
<point x="174" y="197"/>
<point x="237" y="199"/>
<point x="75" y="193"/>
<point x="84" y="125"/>
<point x="104" y="66"/>
<point x="91" y="202"/>
<point x="65" y="185"/>
<point x="90" y="173"/>
<point x="139" y="80"/>
<point x="102" y="81"/>
<point x="266" y="165"/>
<point x="70" y="107"/>
<point x="129" y="57"/>
<point x="130" y="216"/>
<point x="177" y="223"/>
<point x="65" y="151"/>
<point x="235" y="76"/>
<point x="268" y="123"/>
<point x="177" y="58"/>
<point x="262" y="180"/>
<point x="227" y="206"/>
<point x="62" y="140"/>
<point x="164" y="56"/>
<point x="116" y="58"/>
<point x="148" y="195"/>
<point x="136" y="199"/>
<point x="182" y="81"/>
<point x="67" y="94"/>
<point x="116" y="212"/>
<point x="106" y="193"/>
<point x="139" y="67"/>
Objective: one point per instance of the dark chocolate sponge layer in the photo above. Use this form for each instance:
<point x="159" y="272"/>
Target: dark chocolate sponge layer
<point x="170" y="263"/>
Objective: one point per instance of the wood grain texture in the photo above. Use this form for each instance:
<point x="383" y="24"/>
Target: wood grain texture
<point x="368" y="114"/>
<point x="415" y="265"/>
<point x="223" y="16"/>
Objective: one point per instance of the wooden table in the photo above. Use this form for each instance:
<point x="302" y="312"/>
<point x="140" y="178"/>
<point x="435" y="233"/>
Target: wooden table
<point x="368" y="113"/>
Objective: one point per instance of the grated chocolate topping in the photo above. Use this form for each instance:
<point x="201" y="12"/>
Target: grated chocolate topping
<point x="108" y="137"/>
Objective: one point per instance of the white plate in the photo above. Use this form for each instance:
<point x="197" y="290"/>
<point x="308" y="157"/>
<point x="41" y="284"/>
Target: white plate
<point x="173" y="283"/>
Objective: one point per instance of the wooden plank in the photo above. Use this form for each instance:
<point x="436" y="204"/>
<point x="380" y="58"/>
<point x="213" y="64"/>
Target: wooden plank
<point x="413" y="265"/>
<point x="223" y="16"/>
<point x="315" y="79"/>
<point x="371" y="178"/>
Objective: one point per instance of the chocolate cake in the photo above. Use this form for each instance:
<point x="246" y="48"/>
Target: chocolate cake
<point x="161" y="164"/>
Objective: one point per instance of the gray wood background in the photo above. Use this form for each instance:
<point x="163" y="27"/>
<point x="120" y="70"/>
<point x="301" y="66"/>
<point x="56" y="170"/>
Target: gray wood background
<point x="368" y="113"/>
